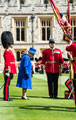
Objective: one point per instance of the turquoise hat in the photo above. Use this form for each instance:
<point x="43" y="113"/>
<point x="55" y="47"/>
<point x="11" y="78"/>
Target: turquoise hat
<point x="32" y="50"/>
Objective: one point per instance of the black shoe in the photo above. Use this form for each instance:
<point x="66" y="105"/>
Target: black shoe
<point x="55" y="97"/>
<point x="8" y="99"/>
<point x="51" y="96"/>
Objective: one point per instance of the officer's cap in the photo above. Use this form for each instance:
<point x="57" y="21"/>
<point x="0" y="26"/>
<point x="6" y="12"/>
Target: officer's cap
<point x="51" y="41"/>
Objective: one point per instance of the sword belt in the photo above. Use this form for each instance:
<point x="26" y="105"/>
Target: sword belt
<point x="51" y="62"/>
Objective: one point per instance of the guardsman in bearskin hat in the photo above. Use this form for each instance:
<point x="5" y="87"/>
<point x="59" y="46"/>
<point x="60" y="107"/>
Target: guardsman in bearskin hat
<point x="52" y="59"/>
<point x="72" y="48"/>
<point x="9" y="62"/>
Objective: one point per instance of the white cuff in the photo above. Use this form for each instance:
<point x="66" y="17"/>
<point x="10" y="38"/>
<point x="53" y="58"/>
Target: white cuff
<point x="70" y="42"/>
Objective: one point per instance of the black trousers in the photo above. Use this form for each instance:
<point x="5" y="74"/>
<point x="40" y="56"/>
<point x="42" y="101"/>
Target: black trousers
<point x="52" y="79"/>
<point x="6" y="85"/>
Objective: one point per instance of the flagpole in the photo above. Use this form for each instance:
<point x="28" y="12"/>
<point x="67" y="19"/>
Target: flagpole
<point x="59" y="16"/>
<point x="71" y="69"/>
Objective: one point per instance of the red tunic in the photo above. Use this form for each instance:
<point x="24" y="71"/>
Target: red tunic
<point x="72" y="48"/>
<point x="9" y="61"/>
<point x="52" y="58"/>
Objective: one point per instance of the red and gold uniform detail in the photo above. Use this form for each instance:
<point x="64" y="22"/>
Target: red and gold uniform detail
<point x="52" y="58"/>
<point x="9" y="61"/>
<point x="72" y="48"/>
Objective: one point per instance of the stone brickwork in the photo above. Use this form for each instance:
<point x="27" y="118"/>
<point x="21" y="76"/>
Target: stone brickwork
<point x="32" y="7"/>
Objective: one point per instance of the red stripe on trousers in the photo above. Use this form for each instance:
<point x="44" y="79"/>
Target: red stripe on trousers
<point x="6" y="87"/>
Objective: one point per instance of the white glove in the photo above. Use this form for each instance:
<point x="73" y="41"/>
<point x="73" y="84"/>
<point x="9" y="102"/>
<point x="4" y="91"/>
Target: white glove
<point x="70" y="42"/>
<point x="7" y="73"/>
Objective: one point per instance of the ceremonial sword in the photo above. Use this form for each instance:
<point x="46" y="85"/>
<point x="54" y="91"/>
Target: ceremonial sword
<point x="1" y="86"/>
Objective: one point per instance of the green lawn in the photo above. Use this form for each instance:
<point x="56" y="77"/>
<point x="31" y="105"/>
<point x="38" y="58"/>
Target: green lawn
<point x="39" y="106"/>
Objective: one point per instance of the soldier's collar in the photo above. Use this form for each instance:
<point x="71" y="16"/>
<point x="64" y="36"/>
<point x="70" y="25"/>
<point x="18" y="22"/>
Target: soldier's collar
<point x="52" y="48"/>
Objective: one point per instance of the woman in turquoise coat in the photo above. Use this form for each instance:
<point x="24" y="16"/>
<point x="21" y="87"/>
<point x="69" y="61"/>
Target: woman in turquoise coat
<point x="24" y="76"/>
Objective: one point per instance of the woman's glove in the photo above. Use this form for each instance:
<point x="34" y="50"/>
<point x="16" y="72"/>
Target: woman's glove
<point x="27" y="76"/>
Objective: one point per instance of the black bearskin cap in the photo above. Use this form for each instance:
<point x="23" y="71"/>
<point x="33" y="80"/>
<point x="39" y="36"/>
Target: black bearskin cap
<point x="7" y="39"/>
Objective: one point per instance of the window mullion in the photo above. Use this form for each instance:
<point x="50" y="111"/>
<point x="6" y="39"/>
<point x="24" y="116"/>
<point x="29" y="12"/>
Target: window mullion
<point x="20" y="31"/>
<point x="20" y="34"/>
<point x="45" y="33"/>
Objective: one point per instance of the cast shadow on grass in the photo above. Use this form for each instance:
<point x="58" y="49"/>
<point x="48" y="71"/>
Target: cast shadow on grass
<point x="49" y="108"/>
<point x="44" y="97"/>
<point x="29" y="96"/>
<point x="13" y="98"/>
<point x="1" y="98"/>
